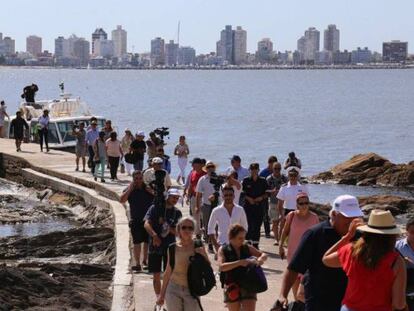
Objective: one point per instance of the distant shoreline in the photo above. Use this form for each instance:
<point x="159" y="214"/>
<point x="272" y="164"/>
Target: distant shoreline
<point x="314" y="67"/>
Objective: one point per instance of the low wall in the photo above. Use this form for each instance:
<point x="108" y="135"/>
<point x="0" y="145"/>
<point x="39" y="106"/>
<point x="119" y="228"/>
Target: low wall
<point x="19" y="170"/>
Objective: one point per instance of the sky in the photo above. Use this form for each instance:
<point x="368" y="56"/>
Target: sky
<point x="361" y="22"/>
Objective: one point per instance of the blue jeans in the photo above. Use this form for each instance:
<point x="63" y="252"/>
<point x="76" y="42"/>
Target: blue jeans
<point x="345" y="308"/>
<point x="101" y="164"/>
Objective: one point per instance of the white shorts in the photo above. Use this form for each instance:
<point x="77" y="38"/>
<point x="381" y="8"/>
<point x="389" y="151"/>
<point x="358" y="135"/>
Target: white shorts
<point x="273" y="212"/>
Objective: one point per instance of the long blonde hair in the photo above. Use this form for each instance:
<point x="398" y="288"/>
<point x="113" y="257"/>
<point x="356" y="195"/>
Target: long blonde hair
<point x="183" y="220"/>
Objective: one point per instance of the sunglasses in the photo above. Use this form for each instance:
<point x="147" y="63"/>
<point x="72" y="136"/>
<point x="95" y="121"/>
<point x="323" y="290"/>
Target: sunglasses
<point x="276" y="168"/>
<point x="293" y="175"/>
<point x="209" y="167"/>
<point x="228" y="194"/>
<point x="303" y="203"/>
<point x="189" y="228"/>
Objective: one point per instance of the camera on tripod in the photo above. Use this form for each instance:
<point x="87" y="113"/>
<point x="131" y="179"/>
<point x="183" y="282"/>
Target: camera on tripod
<point x="162" y="132"/>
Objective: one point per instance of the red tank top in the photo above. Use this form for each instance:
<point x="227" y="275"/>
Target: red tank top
<point x="368" y="290"/>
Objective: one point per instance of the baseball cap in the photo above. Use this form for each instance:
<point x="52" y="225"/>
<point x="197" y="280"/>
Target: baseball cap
<point x="347" y="205"/>
<point x="174" y="192"/>
<point x="157" y="160"/>
<point x="235" y="158"/>
<point x="127" y="130"/>
<point x="253" y="166"/>
<point x="293" y="169"/>
<point x="141" y="133"/>
<point x="94" y="123"/>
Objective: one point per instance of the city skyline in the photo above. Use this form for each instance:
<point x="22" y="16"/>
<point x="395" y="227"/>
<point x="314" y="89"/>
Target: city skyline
<point x="361" y="24"/>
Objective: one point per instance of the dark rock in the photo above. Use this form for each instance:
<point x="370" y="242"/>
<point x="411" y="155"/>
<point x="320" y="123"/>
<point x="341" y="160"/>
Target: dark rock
<point x="56" y="287"/>
<point x="369" y="169"/>
<point x="56" y="244"/>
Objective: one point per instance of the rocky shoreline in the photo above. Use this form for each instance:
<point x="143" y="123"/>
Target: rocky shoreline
<point x="62" y="269"/>
<point x="369" y="169"/>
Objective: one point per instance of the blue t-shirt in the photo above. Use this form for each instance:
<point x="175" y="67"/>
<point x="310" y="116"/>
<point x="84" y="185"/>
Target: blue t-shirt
<point x="265" y="172"/>
<point x="161" y="220"/>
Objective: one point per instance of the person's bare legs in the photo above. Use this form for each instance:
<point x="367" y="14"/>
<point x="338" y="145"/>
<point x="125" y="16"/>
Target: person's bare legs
<point x="137" y="253"/>
<point x="83" y="163"/>
<point x="77" y="163"/>
<point x="1" y="132"/>
<point x="145" y="257"/>
<point x="156" y="282"/>
<point x="275" y="229"/>
<point x="249" y="305"/>
<point x="233" y="306"/>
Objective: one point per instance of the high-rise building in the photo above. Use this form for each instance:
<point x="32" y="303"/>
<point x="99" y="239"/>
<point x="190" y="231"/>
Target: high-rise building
<point x="157" y="52"/>
<point x="301" y="47"/>
<point x="81" y="50"/>
<point x="264" y="52"/>
<point x="362" y="56"/>
<point x="34" y="45"/>
<point x="119" y="37"/>
<point x="62" y="47"/>
<point x="7" y="46"/>
<point x="239" y="45"/>
<point x="104" y="48"/>
<point x="331" y="39"/>
<point x="394" y="51"/>
<point x="186" y="56"/>
<point x="171" y="53"/>
<point x="225" y="45"/>
<point x="312" y="41"/>
<point x="98" y="34"/>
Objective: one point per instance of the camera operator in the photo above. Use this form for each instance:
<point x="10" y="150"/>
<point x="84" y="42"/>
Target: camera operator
<point x="206" y="197"/>
<point x="160" y="223"/>
<point x="150" y="174"/>
<point x="255" y="188"/>
<point x="153" y="143"/>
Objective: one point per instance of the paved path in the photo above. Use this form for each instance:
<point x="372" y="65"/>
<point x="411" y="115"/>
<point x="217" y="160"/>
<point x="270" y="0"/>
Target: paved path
<point x="62" y="164"/>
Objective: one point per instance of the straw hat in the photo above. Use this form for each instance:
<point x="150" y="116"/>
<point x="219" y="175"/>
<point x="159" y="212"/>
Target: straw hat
<point x="381" y="222"/>
<point x="209" y="163"/>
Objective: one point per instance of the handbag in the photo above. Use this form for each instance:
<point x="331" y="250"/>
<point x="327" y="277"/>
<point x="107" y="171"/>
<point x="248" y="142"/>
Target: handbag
<point x="254" y="280"/>
<point x="130" y="158"/>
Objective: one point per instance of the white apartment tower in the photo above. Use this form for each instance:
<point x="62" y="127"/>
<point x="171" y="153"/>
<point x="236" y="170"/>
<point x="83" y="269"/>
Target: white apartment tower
<point x="119" y="37"/>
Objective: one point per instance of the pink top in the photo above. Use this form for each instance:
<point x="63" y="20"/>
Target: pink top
<point x="298" y="226"/>
<point x="113" y="148"/>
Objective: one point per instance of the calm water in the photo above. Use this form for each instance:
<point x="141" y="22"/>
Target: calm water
<point x="324" y="116"/>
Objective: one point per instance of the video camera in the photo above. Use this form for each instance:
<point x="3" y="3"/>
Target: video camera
<point x="217" y="181"/>
<point x="162" y="132"/>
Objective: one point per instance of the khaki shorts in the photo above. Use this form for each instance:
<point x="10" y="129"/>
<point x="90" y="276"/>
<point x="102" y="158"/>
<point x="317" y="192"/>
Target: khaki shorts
<point x="273" y="212"/>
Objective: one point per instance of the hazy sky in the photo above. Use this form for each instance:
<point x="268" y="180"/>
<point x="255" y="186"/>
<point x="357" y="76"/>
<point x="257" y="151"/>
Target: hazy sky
<point x="361" y="22"/>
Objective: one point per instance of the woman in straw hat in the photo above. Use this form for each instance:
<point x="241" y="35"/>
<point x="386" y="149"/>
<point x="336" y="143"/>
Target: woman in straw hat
<point x="375" y="270"/>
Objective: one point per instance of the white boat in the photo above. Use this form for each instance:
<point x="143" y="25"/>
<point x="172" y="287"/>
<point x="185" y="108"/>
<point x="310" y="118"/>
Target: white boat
<point x="65" y="113"/>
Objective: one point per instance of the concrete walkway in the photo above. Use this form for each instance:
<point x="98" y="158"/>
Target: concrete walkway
<point x="62" y="165"/>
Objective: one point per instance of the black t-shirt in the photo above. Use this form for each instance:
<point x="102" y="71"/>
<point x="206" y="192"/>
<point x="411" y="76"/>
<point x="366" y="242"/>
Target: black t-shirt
<point x="161" y="219"/>
<point x="139" y="201"/>
<point x="324" y="287"/>
<point x="253" y="188"/>
<point x="18" y="126"/>
<point x="138" y="149"/>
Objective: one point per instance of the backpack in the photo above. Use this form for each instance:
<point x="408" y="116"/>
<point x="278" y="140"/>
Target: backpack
<point x="200" y="274"/>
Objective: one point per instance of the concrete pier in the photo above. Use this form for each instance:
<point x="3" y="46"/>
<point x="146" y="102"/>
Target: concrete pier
<point x="56" y="169"/>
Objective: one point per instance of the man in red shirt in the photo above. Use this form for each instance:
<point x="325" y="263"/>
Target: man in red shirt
<point x="190" y="192"/>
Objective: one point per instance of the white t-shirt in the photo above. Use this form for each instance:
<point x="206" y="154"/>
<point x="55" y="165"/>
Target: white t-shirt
<point x="205" y="188"/>
<point x="288" y="194"/>
<point x="149" y="176"/>
<point x="221" y="218"/>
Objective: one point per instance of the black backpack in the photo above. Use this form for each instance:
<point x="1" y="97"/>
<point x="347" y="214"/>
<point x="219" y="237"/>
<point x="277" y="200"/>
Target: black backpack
<point x="200" y="274"/>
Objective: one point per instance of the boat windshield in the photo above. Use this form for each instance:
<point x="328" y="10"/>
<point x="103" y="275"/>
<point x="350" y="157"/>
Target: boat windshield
<point x="52" y="133"/>
<point x="65" y="129"/>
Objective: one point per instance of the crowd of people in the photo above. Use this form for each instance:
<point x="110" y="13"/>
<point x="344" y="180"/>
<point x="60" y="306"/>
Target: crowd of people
<point x="341" y="264"/>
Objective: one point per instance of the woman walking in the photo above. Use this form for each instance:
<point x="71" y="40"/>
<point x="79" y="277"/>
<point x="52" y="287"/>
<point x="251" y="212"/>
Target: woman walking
<point x="182" y="151"/>
<point x="175" y="292"/>
<point x="233" y="258"/>
<point x="3" y="114"/>
<point x="125" y="146"/>
<point x="43" y="130"/>
<point x="99" y="159"/>
<point x="114" y="153"/>
<point x="375" y="270"/>
<point x="81" y="145"/>
<point x="297" y="223"/>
